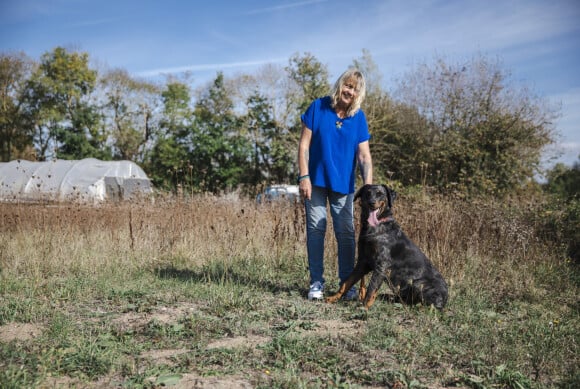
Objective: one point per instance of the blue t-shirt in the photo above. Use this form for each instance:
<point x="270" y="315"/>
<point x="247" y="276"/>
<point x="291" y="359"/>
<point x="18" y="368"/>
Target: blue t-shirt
<point x="334" y="145"/>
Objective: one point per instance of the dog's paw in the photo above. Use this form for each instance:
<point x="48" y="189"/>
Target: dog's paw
<point x="333" y="299"/>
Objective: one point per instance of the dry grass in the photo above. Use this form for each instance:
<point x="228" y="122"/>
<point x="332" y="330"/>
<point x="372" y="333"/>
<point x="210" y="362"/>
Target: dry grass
<point x="463" y="239"/>
<point x="242" y="271"/>
<point x="39" y="239"/>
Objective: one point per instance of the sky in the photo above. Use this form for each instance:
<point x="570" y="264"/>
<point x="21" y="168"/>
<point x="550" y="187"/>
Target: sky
<point x="537" y="41"/>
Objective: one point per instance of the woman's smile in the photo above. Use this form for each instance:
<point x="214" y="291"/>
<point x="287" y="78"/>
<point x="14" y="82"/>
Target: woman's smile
<point x="348" y="93"/>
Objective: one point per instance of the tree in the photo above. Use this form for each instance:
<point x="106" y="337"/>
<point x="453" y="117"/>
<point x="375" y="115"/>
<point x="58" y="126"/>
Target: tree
<point x="387" y="146"/>
<point x="128" y="107"/>
<point x="262" y="131"/>
<point x="168" y="162"/>
<point x="400" y="142"/>
<point x="220" y="154"/>
<point x="309" y="79"/>
<point x="85" y="137"/>
<point x="564" y="181"/>
<point x="482" y="133"/>
<point x="273" y="84"/>
<point x="65" y="124"/>
<point x="15" y="125"/>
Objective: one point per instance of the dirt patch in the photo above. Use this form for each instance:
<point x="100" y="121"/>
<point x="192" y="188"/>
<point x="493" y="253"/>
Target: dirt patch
<point x="338" y="327"/>
<point x="239" y="341"/>
<point x="62" y="382"/>
<point x="192" y="381"/>
<point x="19" y="331"/>
<point x="162" y="315"/>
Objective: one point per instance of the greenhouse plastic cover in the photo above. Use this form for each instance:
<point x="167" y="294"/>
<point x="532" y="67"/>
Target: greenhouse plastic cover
<point x="86" y="180"/>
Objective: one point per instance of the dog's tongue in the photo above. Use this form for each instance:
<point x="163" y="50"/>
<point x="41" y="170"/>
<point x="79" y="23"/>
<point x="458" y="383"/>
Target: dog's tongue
<point x="373" y="219"/>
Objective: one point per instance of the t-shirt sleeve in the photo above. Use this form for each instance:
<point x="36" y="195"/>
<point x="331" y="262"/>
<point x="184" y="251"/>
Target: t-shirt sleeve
<point x="308" y="116"/>
<point x="363" y="126"/>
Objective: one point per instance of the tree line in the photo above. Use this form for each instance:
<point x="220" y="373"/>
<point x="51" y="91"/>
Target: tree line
<point x="463" y="126"/>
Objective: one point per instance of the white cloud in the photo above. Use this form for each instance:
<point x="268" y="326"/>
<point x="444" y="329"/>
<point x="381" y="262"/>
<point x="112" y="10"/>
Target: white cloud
<point x="283" y="7"/>
<point x="204" y="67"/>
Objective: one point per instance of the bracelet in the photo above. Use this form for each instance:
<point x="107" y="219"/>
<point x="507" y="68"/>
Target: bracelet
<point x="303" y="177"/>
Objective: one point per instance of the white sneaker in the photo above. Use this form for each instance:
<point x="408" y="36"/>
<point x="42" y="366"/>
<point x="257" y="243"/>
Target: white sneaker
<point x="316" y="291"/>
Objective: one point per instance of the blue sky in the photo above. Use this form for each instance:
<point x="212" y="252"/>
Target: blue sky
<point x="538" y="41"/>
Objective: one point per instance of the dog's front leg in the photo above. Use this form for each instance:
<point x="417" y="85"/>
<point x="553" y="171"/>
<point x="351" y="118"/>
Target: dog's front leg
<point x="362" y="292"/>
<point x="357" y="274"/>
<point x="375" y="283"/>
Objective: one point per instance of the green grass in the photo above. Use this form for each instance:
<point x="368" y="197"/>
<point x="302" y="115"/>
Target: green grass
<point x="166" y="303"/>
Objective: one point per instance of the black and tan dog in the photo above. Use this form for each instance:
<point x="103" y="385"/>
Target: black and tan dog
<point x="384" y="249"/>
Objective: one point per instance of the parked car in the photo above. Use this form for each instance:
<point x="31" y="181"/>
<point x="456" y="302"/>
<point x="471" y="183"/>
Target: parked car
<point x="279" y="193"/>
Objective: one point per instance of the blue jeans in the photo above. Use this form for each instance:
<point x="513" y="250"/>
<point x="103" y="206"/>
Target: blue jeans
<point x="341" y="209"/>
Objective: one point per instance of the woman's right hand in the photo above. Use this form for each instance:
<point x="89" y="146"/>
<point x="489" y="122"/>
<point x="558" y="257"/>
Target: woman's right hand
<point x="305" y="187"/>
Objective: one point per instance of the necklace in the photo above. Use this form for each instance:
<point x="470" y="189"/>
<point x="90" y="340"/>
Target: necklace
<point x="341" y="114"/>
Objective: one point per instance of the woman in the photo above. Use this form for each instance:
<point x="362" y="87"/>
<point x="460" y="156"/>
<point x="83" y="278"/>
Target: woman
<point x="335" y="137"/>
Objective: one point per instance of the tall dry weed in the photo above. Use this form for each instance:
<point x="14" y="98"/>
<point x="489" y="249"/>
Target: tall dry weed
<point x="481" y="243"/>
<point x="41" y="240"/>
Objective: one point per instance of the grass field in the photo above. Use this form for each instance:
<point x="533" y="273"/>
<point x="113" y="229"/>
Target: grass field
<point x="210" y="292"/>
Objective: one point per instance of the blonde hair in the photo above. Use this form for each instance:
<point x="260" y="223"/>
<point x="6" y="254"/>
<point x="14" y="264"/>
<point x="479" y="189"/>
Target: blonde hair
<point x="351" y="73"/>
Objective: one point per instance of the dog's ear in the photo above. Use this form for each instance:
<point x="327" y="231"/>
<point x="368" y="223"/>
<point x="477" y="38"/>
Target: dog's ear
<point x="391" y="195"/>
<point x="359" y="192"/>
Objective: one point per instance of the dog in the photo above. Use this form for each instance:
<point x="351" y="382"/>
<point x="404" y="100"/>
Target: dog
<point x="384" y="249"/>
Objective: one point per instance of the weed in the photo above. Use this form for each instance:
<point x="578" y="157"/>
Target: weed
<point x="142" y="295"/>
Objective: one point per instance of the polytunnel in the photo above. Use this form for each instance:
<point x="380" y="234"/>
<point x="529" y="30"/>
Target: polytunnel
<point x="88" y="180"/>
